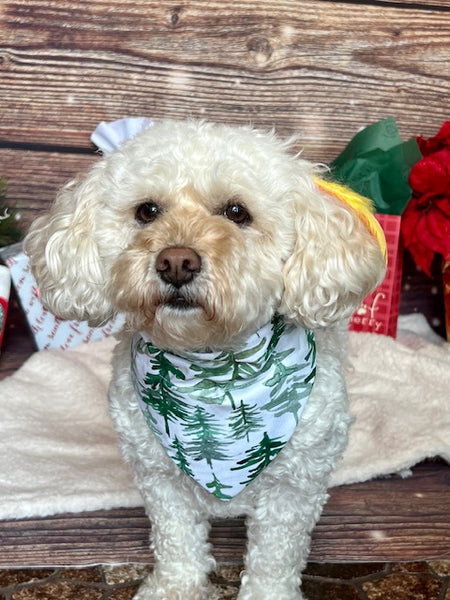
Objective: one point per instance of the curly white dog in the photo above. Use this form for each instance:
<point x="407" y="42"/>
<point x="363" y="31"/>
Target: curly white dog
<point x="232" y="263"/>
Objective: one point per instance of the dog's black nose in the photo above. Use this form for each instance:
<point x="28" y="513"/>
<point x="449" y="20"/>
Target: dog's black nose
<point x="178" y="265"/>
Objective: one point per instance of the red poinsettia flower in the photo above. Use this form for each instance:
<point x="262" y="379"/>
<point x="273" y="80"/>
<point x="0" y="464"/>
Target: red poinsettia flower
<point x="437" y="142"/>
<point x="431" y="175"/>
<point x="426" y="230"/>
<point x="426" y="220"/>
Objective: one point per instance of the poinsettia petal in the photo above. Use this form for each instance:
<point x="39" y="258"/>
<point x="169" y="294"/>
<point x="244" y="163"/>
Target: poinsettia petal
<point x="437" y="223"/>
<point x="443" y="247"/>
<point x="429" y="175"/>
<point x="426" y="220"/>
<point x="436" y="142"/>
<point x="443" y="134"/>
<point x="421" y="233"/>
<point x="443" y="204"/>
<point x="425" y="237"/>
<point x="427" y="146"/>
<point x="422" y="257"/>
<point x="444" y="157"/>
<point x="409" y="222"/>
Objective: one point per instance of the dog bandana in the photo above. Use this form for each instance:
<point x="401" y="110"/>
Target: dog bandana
<point x="223" y="417"/>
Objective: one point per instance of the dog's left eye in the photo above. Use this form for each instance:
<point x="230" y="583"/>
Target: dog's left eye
<point x="237" y="213"/>
<point x="147" y="212"/>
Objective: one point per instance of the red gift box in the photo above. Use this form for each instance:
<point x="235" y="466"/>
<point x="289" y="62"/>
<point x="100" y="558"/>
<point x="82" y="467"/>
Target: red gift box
<point x="379" y="311"/>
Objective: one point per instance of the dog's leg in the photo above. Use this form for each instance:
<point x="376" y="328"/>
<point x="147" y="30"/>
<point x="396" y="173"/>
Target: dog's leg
<point x="179" y="540"/>
<point x="279" y="535"/>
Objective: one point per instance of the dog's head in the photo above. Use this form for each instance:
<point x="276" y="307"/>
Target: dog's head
<point x="199" y="233"/>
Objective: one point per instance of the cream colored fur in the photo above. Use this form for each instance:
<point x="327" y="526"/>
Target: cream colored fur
<point x="301" y="253"/>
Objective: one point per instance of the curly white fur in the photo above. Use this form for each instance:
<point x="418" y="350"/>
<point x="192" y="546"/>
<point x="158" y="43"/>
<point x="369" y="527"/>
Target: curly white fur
<point x="300" y="253"/>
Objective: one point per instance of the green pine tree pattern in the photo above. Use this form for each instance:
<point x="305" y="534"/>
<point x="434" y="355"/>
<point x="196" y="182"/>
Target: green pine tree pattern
<point x="213" y="422"/>
<point x="160" y="392"/>
<point x="212" y="392"/>
<point x="311" y="354"/>
<point x="245" y="419"/>
<point x="207" y="435"/>
<point x="180" y="457"/>
<point x="290" y="400"/>
<point x="150" y="420"/>
<point x="278" y="328"/>
<point x="236" y="367"/>
<point x="282" y="372"/>
<point x="297" y="392"/>
<point x="260" y="456"/>
<point x="217" y="488"/>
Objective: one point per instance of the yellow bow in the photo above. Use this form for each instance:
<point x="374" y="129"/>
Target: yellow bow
<point x="361" y="205"/>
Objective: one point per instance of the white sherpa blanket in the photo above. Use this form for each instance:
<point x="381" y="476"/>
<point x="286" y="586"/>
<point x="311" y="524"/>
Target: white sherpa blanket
<point x="58" y="450"/>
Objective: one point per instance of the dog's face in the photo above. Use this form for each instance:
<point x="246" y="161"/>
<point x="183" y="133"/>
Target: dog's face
<point x="199" y="233"/>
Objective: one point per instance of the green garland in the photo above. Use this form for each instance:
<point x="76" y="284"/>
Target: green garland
<point x="9" y="233"/>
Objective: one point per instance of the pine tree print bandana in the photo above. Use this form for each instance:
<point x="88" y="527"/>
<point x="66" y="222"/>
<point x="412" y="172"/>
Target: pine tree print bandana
<point x="223" y="417"/>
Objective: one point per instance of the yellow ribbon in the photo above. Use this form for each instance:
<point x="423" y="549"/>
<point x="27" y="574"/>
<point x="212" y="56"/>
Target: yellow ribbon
<point x="361" y="205"/>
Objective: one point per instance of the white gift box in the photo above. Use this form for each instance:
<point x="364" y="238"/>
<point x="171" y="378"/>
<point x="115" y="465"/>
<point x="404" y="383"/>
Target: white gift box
<point x="49" y="331"/>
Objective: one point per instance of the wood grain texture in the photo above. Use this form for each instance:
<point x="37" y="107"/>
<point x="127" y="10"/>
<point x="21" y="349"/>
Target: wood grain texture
<point x="34" y="178"/>
<point x="374" y="521"/>
<point x="322" y="69"/>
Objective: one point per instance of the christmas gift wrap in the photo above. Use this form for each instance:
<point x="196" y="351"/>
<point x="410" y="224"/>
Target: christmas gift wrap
<point x="49" y="331"/>
<point x="376" y="164"/>
<point x="5" y="284"/>
<point x="378" y="313"/>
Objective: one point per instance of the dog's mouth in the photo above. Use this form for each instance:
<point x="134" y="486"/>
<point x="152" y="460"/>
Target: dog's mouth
<point x="180" y="302"/>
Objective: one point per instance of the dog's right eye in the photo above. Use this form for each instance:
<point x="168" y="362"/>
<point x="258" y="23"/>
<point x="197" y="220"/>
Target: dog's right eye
<point x="237" y="213"/>
<point x="147" y="212"/>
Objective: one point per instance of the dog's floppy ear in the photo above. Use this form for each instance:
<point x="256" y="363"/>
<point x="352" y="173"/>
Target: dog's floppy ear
<point x="339" y="255"/>
<point x="64" y="254"/>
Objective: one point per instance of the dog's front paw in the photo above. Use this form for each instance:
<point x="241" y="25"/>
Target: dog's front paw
<point x="269" y="590"/>
<point x="154" y="589"/>
<point x="249" y="594"/>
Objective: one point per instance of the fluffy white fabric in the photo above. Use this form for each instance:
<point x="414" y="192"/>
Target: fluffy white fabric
<point x="59" y="453"/>
<point x="58" y="449"/>
<point x="399" y="396"/>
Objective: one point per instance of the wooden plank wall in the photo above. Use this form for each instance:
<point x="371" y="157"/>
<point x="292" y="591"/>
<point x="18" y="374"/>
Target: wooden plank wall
<point x="319" y="68"/>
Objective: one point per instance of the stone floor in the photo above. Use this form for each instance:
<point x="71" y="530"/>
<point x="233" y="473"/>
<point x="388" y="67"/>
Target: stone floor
<point x="362" y="581"/>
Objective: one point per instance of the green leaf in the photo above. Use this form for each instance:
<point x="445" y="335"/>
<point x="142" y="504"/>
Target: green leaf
<point x="376" y="164"/>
